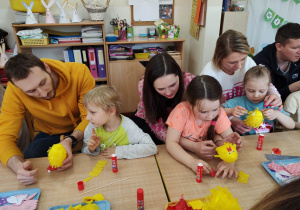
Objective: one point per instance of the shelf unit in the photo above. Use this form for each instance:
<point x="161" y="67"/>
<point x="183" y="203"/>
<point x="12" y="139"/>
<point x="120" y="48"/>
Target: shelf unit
<point x="57" y="26"/>
<point x="125" y="74"/>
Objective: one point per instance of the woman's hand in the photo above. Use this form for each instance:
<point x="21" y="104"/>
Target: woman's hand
<point x="206" y="149"/>
<point x="206" y="168"/>
<point x="239" y="111"/>
<point x="239" y="126"/>
<point x="273" y="101"/>
<point x="234" y="138"/>
<point x="227" y="169"/>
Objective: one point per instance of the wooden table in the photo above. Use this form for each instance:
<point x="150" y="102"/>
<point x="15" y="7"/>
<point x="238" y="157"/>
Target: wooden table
<point x="59" y="188"/>
<point x="180" y="180"/>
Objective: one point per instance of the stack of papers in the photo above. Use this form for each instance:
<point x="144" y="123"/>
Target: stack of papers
<point x="91" y="34"/>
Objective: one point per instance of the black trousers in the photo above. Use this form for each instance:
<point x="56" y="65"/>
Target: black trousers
<point x="142" y="124"/>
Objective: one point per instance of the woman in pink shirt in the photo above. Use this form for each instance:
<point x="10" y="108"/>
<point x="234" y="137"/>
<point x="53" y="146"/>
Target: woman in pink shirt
<point x="160" y="91"/>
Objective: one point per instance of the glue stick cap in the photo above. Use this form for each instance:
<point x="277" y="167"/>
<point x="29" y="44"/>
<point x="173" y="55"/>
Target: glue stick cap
<point x="140" y="194"/>
<point x="80" y="185"/>
<point x="200" y="164"/>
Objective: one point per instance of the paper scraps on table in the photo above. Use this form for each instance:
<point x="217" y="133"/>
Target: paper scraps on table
<point x="243" y="177"/>
<point x="96" y="170"/>
<point x="18" y="202"/>
<point x="97" y="197"/>
<point x="284" y="172"/>
<point x="196" y="204"/>
<point x="276" y="151"/>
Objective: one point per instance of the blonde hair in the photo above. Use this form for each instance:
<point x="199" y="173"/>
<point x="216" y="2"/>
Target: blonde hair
<point x="229" y="42"/>
<point x="104" y="97"/>
<point x="257" y="72"/>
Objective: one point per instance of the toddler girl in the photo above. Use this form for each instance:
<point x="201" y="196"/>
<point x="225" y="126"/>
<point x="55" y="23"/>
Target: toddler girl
<point x="256" y="85"/>
<point x="198" y="119"/>
<point x="109" y="131"/>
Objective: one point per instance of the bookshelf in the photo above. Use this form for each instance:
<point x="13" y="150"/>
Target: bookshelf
<point x="123" y="74"/>
<point x="62" y="27"/>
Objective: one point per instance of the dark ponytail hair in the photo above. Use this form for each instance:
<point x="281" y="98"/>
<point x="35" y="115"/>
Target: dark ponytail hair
<point x="156" y="105"/>
<point x="204" y="87"/>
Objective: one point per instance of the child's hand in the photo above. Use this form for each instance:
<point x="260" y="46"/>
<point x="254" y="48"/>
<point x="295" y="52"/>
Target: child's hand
<point x="239" y="111"/>
<point x="270" y="114"/>
<point x="94" y="141"/>
<point x="227" y="169"/>
<point x="206" y="149"/>
<point x="239" y="126"/>
<point x="108" y="152"/>
<point x="206" y="168"/>
<point x="234" y="138"/>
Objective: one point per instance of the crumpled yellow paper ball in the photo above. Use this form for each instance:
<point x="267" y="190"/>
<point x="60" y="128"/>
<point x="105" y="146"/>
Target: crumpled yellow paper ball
<point x="221" y="199"/>
<point x="56" y="155"/>
<point x="254" y="119"/>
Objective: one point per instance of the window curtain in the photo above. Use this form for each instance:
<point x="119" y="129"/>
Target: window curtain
<point x="265" y="17"/>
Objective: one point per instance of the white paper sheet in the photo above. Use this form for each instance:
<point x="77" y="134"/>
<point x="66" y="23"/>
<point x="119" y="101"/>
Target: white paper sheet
<point x="146" y="10"/>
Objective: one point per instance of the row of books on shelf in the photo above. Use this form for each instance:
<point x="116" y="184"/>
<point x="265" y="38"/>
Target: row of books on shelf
<point x="92" y="57"/>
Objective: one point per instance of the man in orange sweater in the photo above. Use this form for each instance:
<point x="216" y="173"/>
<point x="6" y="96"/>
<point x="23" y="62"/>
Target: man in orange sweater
<point x="52" y="92"/>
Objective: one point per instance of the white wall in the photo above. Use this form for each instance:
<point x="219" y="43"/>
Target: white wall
<point x="197" y="52"/>
<point x="201" y="51"/>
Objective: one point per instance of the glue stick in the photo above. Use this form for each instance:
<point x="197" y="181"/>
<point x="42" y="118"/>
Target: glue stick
<point x="199" y="172"/>
<point x="114" y="163"/>
<point x="260" y="141"/>
<point x="140" y="199"/>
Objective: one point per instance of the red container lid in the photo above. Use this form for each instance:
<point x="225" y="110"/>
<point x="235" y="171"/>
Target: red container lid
<point x="140" y="194"/>
<point x="80" y="185"/>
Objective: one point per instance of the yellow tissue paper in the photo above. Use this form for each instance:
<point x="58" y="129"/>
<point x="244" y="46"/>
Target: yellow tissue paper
<point x="196" y="204"/>
<point x="243" y="177"/>
<point x="56" y="155"/>
<point x="98" y="168"/>
<point x="254" y="118"/>
<point x="227" y="152"/>
<point x="90" y="206"/>
<point x="221" y="199"/>
<point x="97" y="197"/>
<point x="88" y="179"/>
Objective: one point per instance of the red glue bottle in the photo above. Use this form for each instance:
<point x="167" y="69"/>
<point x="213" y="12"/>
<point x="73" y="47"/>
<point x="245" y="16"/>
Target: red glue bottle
<point x="114" y="163"/>
<point x="199" y="172"/>
<point x="260" y="141"/>
<point x="140" y="199"/>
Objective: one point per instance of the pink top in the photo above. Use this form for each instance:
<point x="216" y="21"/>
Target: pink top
<point x="159" y="128"/>
<point x="182" y="119"/>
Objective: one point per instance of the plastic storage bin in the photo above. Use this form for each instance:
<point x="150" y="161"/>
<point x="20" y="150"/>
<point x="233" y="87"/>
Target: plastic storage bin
<point x="35" y="41"/>
<point x="37" y="6"/>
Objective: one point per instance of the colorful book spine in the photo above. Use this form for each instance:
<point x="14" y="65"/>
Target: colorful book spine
<point x="100" y="62"/>
<point x="92" y="62"/>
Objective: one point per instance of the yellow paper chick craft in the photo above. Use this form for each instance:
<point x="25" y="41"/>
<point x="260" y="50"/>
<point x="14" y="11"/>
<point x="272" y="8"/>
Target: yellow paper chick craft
<point x="227" y="152"/>
<point x="221" y="199"/>
<point x="254" y="119"/>
<point x="56" y="155"/>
